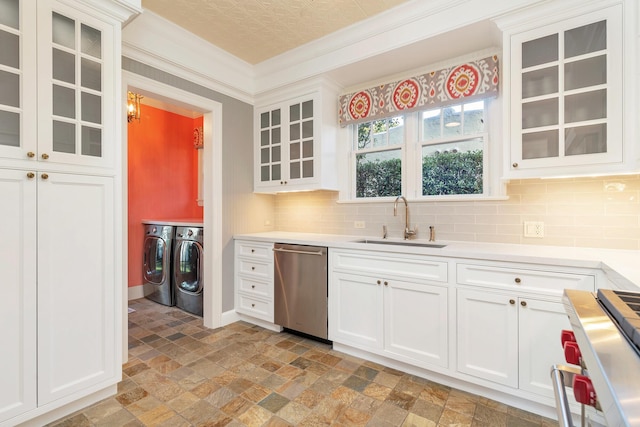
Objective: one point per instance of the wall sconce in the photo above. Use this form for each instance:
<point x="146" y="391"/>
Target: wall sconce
<point x="133" y="106"/>
<point x="198" y="140"/>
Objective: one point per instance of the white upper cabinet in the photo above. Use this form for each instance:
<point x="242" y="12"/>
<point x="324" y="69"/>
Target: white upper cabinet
<point x="295" y="143"/>
<point x="62" y="110"/>
<point x="565" y="94"/>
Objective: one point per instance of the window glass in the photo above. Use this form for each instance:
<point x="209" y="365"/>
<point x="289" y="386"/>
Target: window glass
<point x="379" y="174"/>
<point x="453" y="168"/>
<point x="378" y="158"/>
<point x="453" y="150"/>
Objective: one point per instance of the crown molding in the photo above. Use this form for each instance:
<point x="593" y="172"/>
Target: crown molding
<point x="121" y="10"/>
<point x="153" y="40"/>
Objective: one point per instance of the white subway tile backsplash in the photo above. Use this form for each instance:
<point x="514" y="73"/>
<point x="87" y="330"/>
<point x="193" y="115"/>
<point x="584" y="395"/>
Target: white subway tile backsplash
<point x="599" y="212"/>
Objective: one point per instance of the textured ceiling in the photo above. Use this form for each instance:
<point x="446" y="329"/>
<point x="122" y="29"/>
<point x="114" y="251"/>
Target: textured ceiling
<point x="256" y="30"/>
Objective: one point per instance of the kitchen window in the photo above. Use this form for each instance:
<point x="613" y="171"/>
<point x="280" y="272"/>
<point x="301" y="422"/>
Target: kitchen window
<point x="440" y="152"/>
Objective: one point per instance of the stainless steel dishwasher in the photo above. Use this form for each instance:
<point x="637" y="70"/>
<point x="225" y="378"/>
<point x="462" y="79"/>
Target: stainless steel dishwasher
<point x="300" y="295"/>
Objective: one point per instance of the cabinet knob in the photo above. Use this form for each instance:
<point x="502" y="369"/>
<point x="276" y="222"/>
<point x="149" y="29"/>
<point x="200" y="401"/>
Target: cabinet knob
<point x="515" y="165"/>
<point x="253" y="305"/>
<point x="518" y="280"/>
<point x="253" y="286"/>
<point x="523" y="303"/>
<point x="31" y="154"/>
<point x="252" y="268"/>
<point x="512" y="301"/>
<point x="44" y="176"/>
<point x="30" y="175"/>
<point x="45" y="156"/>
<point x="386" y="283"/>
<point x="253" y="250"/>
<point x="378" y="282"/>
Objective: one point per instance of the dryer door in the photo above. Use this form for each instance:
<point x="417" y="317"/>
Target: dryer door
<point x="155" y="260"/>
<point x="187" y="267"/>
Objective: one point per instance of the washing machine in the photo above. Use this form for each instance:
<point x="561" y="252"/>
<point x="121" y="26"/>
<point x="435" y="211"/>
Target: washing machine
<point x="156" y="263"/>
<point x="188" y="269"/>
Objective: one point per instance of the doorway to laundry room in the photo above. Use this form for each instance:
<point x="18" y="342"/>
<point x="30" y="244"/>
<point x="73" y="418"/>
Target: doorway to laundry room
<point x="172" y="162"/>
<point x="165" y="146"/>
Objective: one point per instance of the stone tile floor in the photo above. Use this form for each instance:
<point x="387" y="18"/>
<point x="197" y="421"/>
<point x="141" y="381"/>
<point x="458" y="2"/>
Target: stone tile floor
<point x="180" y="373"/>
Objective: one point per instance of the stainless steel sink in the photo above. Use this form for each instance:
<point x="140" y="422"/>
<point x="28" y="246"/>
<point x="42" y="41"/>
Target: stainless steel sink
<point x="400" y="243"/>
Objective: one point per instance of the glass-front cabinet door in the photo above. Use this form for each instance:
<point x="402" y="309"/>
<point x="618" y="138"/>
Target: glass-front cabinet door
<point x="301" y="140"/>
<point x="76" y="117"/>
<point x="17" y="78"/>
<point x="287" y="145"/>
<point x="567" y="93"/>
<point x="270" y="146"/>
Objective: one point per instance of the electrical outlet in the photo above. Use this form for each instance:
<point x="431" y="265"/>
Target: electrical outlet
<point x="358" y="224"/>
<point x="534" y="229"/>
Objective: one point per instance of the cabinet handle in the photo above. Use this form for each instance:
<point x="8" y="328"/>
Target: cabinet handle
<point x="44" y="176"/>
<point x="512" y="301"/>
<point x="518" y="280"/>
<point x="30" y="175"/>
<point x="386" y="283"/>
<point x="45" y="156"/>
<point x="523" y="303"/>
<point x="515" y="165"/>
<point x="31" y="154"/>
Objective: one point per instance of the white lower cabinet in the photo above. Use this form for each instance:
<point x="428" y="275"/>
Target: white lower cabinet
<point x="509" y="323"/>
<point x="59" y="290"/>
<point x="540" y="323"/>
<point x="393" y="313"/>
<point x="254" y="279"/>
<point x="488" y="336"/>
<point x="356" y="316"/>
<point x="415" y="322"/>
<point x="18" y="315"/>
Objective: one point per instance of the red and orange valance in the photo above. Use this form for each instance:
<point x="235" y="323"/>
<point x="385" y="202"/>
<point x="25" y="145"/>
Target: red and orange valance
<point x="474" y="79"/>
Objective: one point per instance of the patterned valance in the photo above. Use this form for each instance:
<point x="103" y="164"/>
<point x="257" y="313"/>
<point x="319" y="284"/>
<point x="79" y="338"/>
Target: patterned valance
<point x="475" y="79"/>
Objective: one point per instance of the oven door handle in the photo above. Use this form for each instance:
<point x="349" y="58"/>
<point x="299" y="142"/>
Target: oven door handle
<point x="562" y="376"/>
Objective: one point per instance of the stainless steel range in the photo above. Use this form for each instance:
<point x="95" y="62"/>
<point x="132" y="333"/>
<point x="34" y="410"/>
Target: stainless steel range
<point x="606" y="327"/>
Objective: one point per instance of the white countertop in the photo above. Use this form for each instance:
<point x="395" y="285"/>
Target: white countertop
<point x="180" y="222"/>
<point x="622" y="267"/>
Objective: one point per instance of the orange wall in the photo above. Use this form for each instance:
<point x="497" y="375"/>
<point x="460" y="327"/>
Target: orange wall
<point x="163" y="175"/>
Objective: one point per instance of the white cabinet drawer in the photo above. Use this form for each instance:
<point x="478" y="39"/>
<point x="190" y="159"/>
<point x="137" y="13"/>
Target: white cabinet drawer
<point x="255" y="250"/>
<point x="254" y="287"/>
<point x="255" y="307"/>
<point x="257" y="269"/>
<point x="526" y="280"/>
<point x="407" y="266"/>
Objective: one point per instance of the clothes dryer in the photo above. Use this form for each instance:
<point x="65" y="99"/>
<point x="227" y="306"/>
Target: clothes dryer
<point x="156" y="263"/>
<point x="188" y="269"/>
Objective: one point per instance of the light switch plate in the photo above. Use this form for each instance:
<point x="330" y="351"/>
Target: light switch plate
<point x="534" y="229"/>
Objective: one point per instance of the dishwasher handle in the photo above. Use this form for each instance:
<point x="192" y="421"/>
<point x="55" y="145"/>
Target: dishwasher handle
<point x="292" y="251"/>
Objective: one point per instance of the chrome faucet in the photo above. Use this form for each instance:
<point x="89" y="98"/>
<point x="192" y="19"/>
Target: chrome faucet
<point x="408" y="232"/>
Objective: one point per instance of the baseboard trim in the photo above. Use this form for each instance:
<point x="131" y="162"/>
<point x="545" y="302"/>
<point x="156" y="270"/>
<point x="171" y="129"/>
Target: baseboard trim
<point x="135" y="292"/>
